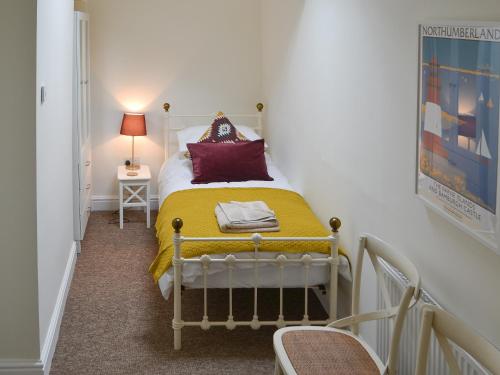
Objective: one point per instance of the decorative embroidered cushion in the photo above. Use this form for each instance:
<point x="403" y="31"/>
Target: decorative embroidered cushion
<point x="222" y="131"/>
<point x="228" y="162"/>
<point x="192" y="134"/>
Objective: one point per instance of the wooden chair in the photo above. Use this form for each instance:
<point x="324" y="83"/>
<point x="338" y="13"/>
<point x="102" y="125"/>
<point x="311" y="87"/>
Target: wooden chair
<point x="445" y="327"/>
<point x="330" y="350"/>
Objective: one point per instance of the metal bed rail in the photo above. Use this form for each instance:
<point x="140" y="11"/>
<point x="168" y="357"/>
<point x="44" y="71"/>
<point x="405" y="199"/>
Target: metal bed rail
<point x="230" y="260"/>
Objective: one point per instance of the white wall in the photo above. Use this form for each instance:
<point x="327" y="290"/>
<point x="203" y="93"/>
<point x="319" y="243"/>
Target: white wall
<point x="340" y="84"/>
<point x="54" y="152"/>
<point x="18" y="273"/>
<point x="201" y="56"/>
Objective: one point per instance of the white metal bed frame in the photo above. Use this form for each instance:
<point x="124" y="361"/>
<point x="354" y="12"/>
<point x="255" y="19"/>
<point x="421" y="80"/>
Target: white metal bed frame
<point x="230" y="260"/>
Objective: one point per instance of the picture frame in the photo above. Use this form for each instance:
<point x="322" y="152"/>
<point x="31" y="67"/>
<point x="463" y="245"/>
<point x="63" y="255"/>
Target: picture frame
<point x="458" y="138"/>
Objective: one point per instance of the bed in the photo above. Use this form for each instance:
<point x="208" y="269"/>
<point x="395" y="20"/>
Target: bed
<point x="199" y="257"/>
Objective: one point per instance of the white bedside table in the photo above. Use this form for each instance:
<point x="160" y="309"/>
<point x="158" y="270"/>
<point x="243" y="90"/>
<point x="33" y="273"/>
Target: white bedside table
<point x="135" y="185"/>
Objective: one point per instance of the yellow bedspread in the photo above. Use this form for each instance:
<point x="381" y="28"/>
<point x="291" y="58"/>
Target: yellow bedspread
<point x="196" y="208"/>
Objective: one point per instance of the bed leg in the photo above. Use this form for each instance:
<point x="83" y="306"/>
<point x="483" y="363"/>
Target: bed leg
<point x="334" y="254"/>
<point x="177" y="262"/>
<point x="177" y="339"/>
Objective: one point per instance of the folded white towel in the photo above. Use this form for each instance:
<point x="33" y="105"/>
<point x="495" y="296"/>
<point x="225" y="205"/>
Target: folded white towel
<point x="241" y="217"/>
<point x="247" y="212"/>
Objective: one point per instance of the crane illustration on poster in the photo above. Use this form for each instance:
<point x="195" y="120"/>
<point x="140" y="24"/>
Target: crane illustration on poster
<point x="459" y="126"/>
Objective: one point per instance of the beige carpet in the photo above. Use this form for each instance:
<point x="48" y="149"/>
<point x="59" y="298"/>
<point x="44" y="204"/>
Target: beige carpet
<point x="117" y="322"/>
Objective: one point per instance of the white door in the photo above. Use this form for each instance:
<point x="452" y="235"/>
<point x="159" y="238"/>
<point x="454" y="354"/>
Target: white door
<point x="83" y="120"/>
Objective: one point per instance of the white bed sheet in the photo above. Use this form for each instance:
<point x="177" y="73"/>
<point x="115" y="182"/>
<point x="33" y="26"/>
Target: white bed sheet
<point x="177" y="172"/>
<point x="176" y="175"/>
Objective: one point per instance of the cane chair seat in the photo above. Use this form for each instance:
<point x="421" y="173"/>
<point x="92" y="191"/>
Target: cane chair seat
<point x="322" y="351"/>
<point x="330" y="350"/>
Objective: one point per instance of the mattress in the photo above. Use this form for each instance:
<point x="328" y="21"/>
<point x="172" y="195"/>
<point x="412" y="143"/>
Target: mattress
<point x="176" y="175"/>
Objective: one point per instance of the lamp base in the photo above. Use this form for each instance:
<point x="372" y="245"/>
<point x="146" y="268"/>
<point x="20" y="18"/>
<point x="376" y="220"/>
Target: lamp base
<point x="133" y="166"/>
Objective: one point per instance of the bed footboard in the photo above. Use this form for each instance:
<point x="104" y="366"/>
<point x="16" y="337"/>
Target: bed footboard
<point x="230" y="260"/>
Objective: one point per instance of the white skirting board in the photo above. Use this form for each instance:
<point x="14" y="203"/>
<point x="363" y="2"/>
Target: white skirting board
<point x="49" y="346"/>
<point x="21" y="367"/>
<point x="42" y="366"/>
<point x="111" y="202"/>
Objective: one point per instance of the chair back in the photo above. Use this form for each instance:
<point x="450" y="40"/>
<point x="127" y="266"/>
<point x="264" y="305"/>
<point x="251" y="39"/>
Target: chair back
<point x="446" y="326"/>
<point x="376" y="249"/>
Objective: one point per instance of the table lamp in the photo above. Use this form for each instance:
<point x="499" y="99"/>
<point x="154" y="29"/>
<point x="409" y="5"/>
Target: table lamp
<point x="133" y="124"/>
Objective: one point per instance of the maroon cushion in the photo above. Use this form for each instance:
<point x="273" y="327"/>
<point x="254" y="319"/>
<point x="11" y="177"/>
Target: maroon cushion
<point x="228" y="162"/>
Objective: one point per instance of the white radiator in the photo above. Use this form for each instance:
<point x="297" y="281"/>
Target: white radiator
<point x="395" y="282"/>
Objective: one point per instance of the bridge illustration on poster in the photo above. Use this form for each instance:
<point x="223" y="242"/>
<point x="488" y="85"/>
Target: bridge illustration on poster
<point x="459" y="126"/>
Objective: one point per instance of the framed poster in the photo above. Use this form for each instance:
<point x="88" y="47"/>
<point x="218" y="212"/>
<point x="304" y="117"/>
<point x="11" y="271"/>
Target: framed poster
<point x="458" y="135"/>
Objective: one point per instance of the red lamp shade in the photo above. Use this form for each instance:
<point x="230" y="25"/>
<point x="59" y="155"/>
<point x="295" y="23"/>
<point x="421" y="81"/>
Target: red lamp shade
<point x="133" y="124"/>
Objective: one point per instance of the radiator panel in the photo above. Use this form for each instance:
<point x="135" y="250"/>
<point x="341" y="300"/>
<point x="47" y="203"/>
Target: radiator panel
<point x="436" y="365"/>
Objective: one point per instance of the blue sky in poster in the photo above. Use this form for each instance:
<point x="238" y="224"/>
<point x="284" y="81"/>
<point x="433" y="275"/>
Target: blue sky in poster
<point x="465" y="54"/>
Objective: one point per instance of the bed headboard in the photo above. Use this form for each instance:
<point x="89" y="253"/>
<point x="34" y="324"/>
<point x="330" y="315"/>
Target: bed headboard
<point x="175" y="122"/>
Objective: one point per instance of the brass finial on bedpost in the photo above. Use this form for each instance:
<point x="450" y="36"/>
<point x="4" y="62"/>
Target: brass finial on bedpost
<point x="166" y="106"/>
<point x="177" y="224"/>
<point x="335" y="224"/>
<point x="260" y="107"/>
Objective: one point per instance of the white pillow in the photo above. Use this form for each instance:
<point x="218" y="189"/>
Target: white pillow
<point x="189" y="135"/>
<point x="193" y="134"/>
<point x="248" y="132"/>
